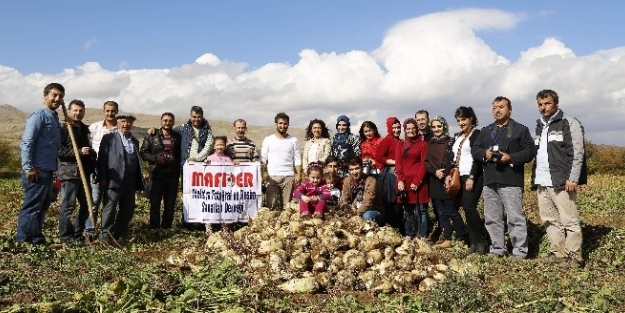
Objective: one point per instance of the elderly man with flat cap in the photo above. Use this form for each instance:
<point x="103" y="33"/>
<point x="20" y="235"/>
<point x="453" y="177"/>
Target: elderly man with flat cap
<point x="119" y="169"/>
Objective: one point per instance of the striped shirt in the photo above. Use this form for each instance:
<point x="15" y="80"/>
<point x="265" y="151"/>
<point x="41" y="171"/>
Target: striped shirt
<point x="243" y="150"/>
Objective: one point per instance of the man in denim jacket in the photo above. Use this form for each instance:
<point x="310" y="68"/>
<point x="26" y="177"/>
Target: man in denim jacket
<point x="39" y="149"/>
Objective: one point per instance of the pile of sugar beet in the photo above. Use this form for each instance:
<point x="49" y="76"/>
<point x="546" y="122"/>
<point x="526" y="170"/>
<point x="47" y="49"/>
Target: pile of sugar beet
<point x="340" y="252"/>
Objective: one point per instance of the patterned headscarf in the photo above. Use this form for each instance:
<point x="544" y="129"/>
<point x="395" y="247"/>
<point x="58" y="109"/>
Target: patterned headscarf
<point x="443" y="122"/>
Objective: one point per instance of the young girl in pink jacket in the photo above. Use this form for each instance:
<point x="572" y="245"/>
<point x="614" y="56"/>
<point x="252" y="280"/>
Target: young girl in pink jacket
<point x="313" y="193"/>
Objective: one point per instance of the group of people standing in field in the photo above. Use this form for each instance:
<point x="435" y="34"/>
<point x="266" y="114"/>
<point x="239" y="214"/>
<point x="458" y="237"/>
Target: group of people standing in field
<point x="390" y="180"/>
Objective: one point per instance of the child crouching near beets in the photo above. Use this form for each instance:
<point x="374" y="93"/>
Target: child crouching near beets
<point x="313" y="192"/>
<point x="218" y="157"/>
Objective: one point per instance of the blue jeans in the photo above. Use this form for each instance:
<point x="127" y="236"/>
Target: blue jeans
<point x="97" y="195"/>
<point x="72" y="190"/>
<point x="117" y="220"/>
<point x="416" y="219"/>
<point x="37" y="198"/>
<point x="373" y="215"/>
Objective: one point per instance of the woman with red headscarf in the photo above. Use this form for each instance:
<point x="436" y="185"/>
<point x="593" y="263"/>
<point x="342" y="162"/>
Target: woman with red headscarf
<point x="412" y="188"/>
<point x="385" y="160"/>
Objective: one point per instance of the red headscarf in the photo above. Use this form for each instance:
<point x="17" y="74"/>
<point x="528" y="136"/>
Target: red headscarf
<point x="389" y="125"/>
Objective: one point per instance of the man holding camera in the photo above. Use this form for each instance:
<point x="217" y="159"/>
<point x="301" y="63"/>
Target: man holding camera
<point x="504" y="147"/>
<point x="162" y="151"/>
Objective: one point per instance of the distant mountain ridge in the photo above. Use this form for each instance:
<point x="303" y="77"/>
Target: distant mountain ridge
<point x="14" y="119"/>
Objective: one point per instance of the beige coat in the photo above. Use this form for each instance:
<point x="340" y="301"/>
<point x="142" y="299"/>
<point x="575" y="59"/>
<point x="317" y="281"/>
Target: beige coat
<point x="324" y="148"/>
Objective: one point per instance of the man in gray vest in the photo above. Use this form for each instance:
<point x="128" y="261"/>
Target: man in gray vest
<point x="560" y="167"/>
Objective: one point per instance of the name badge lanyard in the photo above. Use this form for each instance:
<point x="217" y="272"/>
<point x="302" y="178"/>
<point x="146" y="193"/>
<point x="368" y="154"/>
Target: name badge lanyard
<point x="496" y="135"/>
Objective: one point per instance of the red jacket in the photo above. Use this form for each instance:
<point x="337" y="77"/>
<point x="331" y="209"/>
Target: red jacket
<point x="388" y="145"/>
<point x="369" y="147"/>
<point x="410" y="169"/>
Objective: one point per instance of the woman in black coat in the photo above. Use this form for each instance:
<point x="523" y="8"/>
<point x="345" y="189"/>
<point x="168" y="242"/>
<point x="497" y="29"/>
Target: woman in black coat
<point x="438" y="161"/>
<point x="471" y="178"/>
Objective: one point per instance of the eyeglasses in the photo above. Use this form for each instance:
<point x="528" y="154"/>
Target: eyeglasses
<point x="436" y="126"/>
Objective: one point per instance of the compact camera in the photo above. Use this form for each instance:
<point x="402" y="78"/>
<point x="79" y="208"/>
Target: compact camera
<point x="366" y="167"/>
<point x="495" y="157"/>
<point x="402" y="194"/>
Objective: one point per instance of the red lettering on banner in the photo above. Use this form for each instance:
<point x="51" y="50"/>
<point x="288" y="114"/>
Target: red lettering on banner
<point x="221" y="179"/>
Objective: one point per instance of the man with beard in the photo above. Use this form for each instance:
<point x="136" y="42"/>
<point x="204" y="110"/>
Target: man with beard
<point x="423" y="125"/>
<point x="279" y="154"/>
<point x="119" y="171"/>
<point x="196" y="143"/>
<point x="162" y="151"/>
<point x="196" y="137"/>
<point x="72" y="188"/>
<point x="240" y="148"/>
<point x="504" y="147"/>
<point x="39" y="149"/>
<point x="360" y="193"/>
<point x="97" y="130"/>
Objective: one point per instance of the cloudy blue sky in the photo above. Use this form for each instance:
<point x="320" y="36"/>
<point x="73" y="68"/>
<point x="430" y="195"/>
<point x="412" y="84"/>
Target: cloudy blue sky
<point x="366" y="59"/>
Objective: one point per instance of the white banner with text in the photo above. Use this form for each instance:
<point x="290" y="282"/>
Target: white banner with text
<point x="221" y="193"/>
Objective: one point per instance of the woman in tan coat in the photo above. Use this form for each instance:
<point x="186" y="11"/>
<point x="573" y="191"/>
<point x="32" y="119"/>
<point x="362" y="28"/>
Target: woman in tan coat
<point x="318" y="145"/>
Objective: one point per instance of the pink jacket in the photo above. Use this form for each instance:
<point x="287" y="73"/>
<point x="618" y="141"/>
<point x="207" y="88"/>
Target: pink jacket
<point x="219" y="158"/>
<point x="306" y="188"/>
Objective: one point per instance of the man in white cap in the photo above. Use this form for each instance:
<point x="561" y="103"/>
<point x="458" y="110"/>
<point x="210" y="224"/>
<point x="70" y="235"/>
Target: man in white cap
<point x="119" y="170"/>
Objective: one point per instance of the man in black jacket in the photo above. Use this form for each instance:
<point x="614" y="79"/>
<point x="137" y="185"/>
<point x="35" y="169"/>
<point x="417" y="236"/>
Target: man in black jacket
<point x="69" y="174"/>
<point x="119" y="172"/>
<point x="162" y="151"/>
<point x="504" y="147"/>
<point x="560" y="167"/>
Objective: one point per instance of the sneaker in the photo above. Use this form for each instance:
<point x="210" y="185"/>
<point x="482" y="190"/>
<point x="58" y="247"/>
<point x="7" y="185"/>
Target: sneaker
<point x="481" y="248"/>
<point x="571" y="263"/>
<point x="552" y="259"/>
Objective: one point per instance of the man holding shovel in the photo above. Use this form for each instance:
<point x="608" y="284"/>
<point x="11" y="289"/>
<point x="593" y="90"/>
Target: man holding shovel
<point x="72" y="188"/>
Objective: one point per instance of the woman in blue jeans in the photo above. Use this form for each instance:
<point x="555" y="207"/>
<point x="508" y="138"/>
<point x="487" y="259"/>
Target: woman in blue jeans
<point x="438" y="161"/>
<point x="412" y="187"/>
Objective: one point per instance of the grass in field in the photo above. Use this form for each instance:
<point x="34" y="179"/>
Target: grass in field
<point x="140" y="278"/>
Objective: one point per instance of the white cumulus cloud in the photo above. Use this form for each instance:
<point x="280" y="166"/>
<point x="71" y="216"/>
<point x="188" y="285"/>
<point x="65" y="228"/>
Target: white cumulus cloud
<point x="435" y="62"/>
